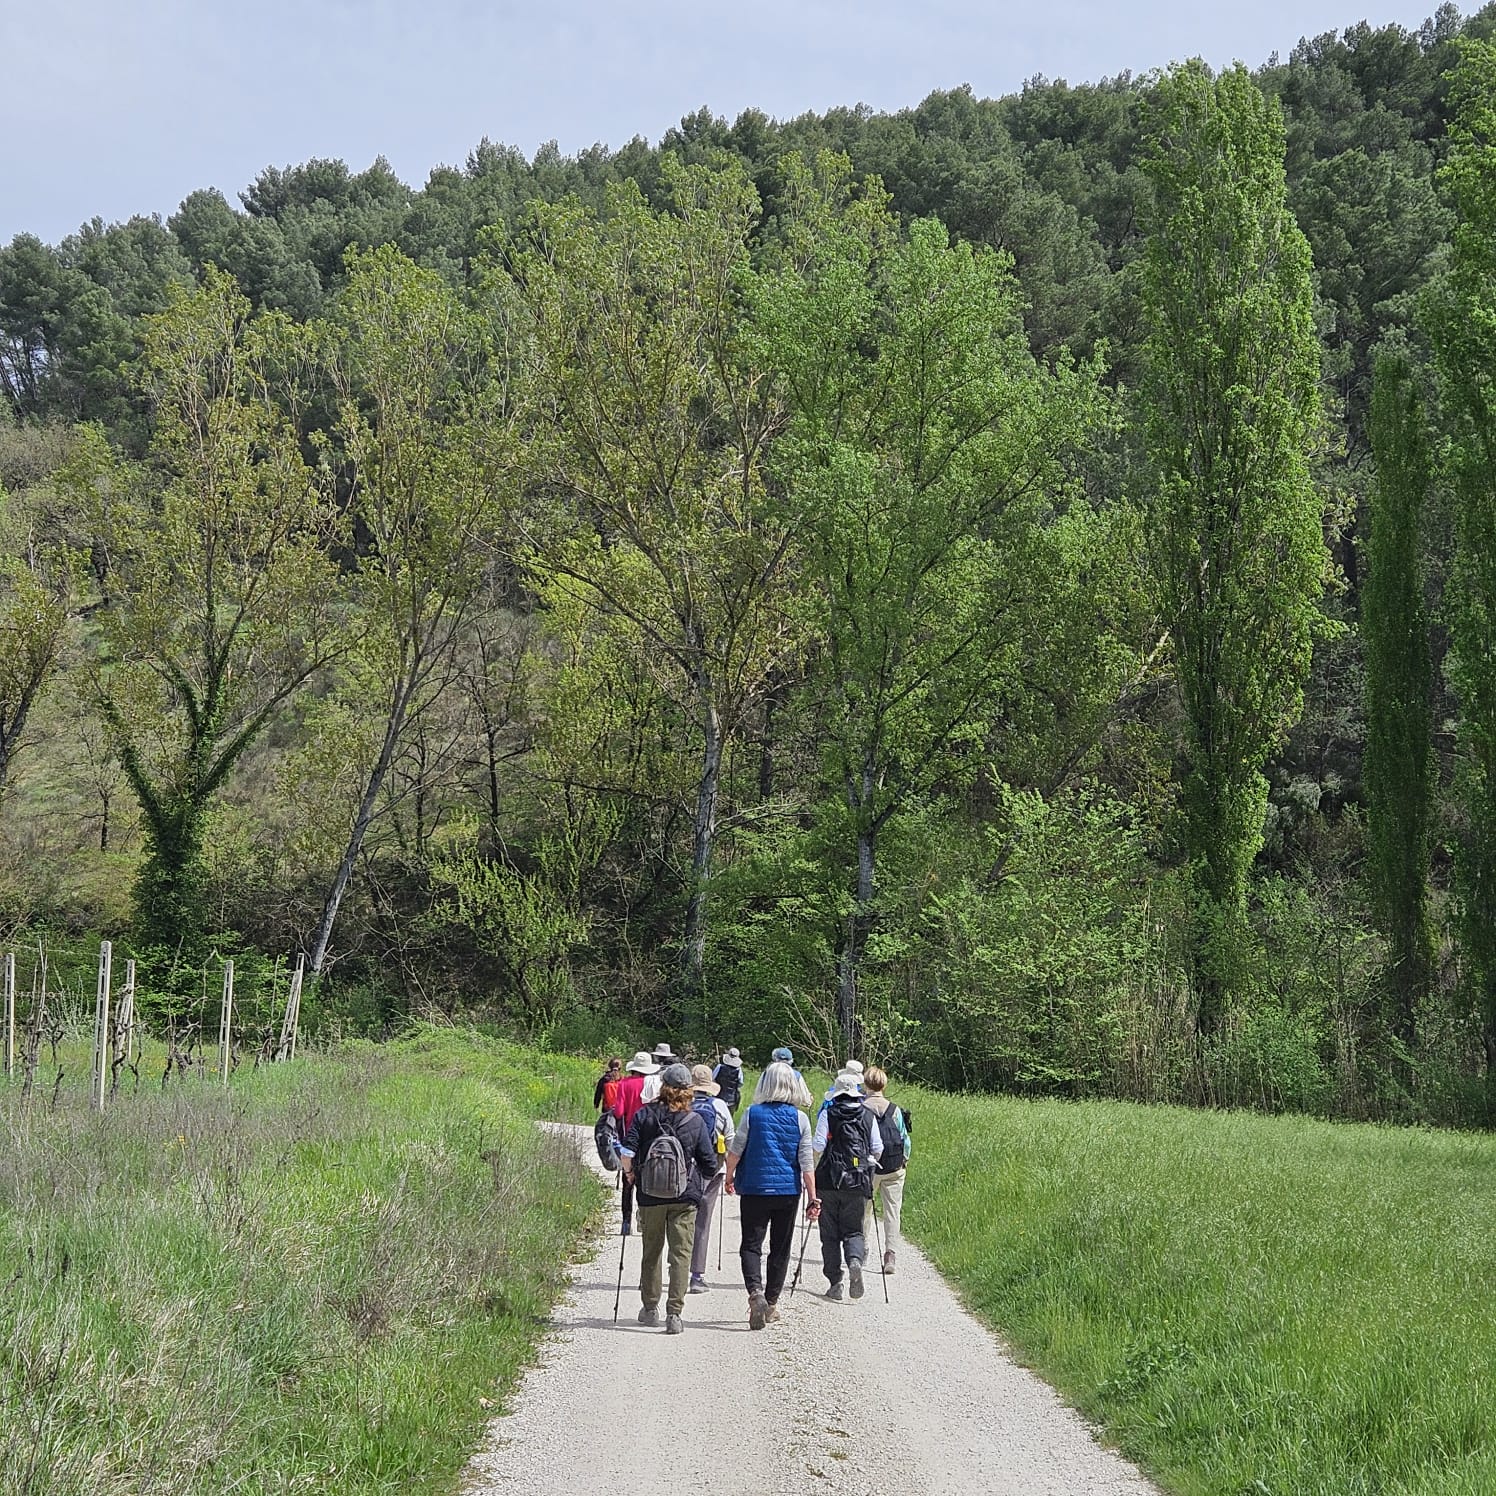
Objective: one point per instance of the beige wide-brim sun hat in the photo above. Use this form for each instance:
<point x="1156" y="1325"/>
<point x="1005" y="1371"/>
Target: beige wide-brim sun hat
<point x="701" y="1080"/>
<point x="642" y="1064"/>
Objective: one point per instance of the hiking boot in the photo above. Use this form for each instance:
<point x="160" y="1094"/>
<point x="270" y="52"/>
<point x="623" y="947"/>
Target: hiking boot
<point x="698" y="1284"/>
<point x="649" y="1314"/>
<point x="834" y="1293"/>
<point x="758" y="1311"/>
<point x="854" y="1272"/>
<point x="772" y="1315"/>
<point x="888" y="1261"/>
<point x="674" y="1325"/>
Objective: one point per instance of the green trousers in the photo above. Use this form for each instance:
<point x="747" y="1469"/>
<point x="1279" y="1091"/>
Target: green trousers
<point x="662" y="1226"/>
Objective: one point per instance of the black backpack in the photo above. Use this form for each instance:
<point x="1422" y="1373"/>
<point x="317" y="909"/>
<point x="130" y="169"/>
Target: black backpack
<point x="730" y="1079"/>
<point x="893" y="1158"/>
<point x="845" y="1165"/>
<point x="605" y="1135"/>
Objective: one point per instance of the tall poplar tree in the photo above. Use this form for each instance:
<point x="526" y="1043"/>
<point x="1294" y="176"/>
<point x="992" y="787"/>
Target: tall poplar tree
<point x="1232" y="367"/>
<point x="1463" y="325"/>
<point x="1398" y="770"/>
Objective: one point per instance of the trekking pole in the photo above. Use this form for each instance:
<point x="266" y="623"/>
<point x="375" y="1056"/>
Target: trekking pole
<point x="623" y="1245"/>
<point x="878" y="1237"/>
<point x="804" y="1238"/>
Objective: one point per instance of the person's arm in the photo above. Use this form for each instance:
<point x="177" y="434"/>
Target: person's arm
<point x="728" y="1128"/>
<point x="735" y="1147"/>
<point x="635" y="1139"/>
<point x="818" y="1142"/>
<point x="874" y="1139"/>
<point x="806" y="1160"/>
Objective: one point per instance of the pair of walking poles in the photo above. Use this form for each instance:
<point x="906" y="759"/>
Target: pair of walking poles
<point x="623" y="1242"/>
<point x="877" y="1237"/>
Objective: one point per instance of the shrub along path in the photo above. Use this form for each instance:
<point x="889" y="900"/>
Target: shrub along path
<point x="914" y="1396"/>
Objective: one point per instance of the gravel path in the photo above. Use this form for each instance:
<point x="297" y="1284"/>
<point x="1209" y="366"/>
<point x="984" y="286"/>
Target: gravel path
<point x="911" y="1398"/>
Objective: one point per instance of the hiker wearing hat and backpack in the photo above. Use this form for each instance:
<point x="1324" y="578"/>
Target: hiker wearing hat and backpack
<point x="663" y="1055"/>
<point x="628" y="1097"/>
<point x="668" y="1153"/>
<point x="888" y="1180"/>
<point x="849" y="1144"/>
<point x="718" y="1119"/>
<point x="729" y="1079"/>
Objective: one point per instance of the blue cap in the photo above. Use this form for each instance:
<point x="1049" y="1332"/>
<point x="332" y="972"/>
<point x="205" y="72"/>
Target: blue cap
<point x="784" y="1055"/>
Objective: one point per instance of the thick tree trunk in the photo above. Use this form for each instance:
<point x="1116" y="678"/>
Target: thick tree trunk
<point x="361" y="822"/>
<point x="703" y="837"/>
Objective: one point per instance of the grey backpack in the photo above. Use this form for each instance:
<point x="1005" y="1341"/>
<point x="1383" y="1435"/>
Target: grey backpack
<point x="663" y="1176"/>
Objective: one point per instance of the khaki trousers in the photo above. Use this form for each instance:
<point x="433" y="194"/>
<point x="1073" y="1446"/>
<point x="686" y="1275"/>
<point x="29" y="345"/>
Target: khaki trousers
<point x="666" y="1227"/>
<point x="891" y="1188"/>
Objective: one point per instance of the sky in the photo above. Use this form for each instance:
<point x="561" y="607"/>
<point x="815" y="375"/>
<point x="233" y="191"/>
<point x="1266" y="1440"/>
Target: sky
<point x="120" y="109"/>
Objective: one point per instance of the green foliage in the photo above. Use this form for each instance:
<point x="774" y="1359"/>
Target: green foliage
<point x="1399" y="769"/>
<point x="1232" y="412"/>
<point x="1242" y="1303"/>
<point x="327" y="1272"/>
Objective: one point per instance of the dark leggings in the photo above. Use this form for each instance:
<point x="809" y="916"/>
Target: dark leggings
<point x="776" y="1215"/>
<point x="628" y="1199"/>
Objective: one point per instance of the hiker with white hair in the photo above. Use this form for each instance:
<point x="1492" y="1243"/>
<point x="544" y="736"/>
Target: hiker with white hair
<point x="769" y="1161"/>
<point x="718" y="1119"/>
<point x="849" y="1144"/>
<point x="628" y="1097"/>
<point x="669" y="1156"/>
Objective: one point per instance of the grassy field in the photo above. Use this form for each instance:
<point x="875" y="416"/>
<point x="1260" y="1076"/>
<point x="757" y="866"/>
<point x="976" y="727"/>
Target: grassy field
<point x="320" y="1280"/>
<point x="1250" y="1306"/>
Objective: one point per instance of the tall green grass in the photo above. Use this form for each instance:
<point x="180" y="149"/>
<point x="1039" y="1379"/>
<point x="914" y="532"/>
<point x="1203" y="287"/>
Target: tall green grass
<point x="321" y="1279"/>
<point x="1246" y="1304"/>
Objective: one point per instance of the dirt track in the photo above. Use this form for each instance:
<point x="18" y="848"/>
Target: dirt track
<point x="910" y="1398"/>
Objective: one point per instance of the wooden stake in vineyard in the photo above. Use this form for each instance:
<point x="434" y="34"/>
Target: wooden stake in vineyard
<point x="286" y="1050"/>
<point x="226" y="1020"/>
<point x="123" y="1031"/>
<point x="8" y="1039"/>
<point x="101" y="1026"/>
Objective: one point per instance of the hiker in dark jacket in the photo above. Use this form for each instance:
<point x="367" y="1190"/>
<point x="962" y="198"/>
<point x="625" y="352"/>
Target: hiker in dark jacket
<point x="665" y="1139"/>
<point x="850" y="1144"/>
<point x="768" y="1161"/>
<point x="728" y="1078"/>
<point x="607" y="1084"/>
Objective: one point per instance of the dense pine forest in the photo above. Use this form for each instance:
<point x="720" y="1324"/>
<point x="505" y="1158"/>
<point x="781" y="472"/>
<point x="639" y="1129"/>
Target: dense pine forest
<point x="1010" y="583"/>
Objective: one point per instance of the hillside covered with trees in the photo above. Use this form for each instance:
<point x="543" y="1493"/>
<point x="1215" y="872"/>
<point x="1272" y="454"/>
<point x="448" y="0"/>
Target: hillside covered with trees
<point x="1008" y="583"/>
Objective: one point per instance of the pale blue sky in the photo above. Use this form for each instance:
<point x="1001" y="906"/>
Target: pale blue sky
<point x="125" y="106"/>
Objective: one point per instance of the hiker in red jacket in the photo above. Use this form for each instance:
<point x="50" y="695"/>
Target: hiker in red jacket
<point x="628" y="1097"/>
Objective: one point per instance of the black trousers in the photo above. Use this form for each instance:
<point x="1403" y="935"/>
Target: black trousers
<point x="841" y="1230"/>
<point x="776" y="1215"/>
<point x="628" y="1201"/>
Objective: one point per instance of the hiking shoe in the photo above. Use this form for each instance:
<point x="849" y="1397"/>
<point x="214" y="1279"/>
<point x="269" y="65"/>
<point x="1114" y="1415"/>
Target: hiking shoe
<point x="854" y="1272"/>
<point x="758" y="1311"/>
<point x="649" y="1314"/>
<point x="772" y="1315"/>
<point x="834" y="1293"/>
<point x="674" y="1325"/>
<point x="888" y="1261"/>
<point x="698" y="1284"/>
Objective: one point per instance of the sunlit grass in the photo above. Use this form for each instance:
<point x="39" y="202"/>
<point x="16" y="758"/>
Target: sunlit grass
<point x="1246" y="1304"/>
<point x="319" y="1279"/>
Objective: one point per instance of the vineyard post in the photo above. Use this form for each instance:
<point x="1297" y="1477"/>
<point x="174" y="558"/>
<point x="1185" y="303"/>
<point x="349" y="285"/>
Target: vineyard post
<point x="125" y="1020"/>
<point x="101" y="1026"/>
<point x="287" y="1048"/>
<point x="226" y="1019"/>
<point x="10" y="1014"/>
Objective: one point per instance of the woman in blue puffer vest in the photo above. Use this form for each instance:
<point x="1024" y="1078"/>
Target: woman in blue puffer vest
<point x="768" y="1163"/>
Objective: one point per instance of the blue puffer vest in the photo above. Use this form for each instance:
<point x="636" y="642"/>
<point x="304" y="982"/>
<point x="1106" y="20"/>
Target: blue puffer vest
<point x="770" y="1164"/>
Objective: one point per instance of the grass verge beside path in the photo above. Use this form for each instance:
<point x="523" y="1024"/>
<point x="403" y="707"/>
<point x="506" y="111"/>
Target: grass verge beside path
<point x="318" y="1280"/>
<point x="1246" y="1304"/>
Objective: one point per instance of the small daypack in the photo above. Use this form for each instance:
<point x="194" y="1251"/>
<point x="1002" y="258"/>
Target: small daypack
<point x="845" y="1165"/>
<point x="712" y="1121"/>
<point x="894" y="1157"/>
<point x="664" y="1174"/>
<point x="605" y="1135"/>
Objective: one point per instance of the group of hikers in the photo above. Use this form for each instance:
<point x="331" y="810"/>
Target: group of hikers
<point x="673" y="1132"/>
